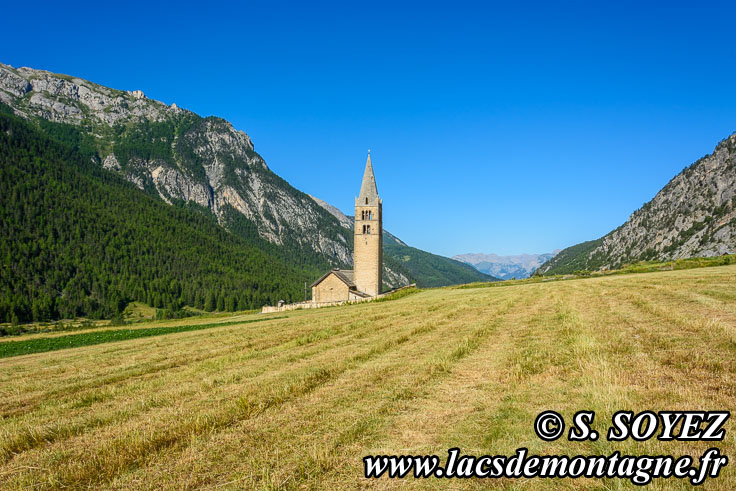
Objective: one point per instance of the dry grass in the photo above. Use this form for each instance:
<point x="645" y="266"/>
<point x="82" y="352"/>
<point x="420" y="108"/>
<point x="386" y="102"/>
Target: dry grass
<point x="298" y="402"/>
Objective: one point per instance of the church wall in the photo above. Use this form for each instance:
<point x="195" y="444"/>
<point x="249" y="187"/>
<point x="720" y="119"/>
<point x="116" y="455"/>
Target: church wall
<point x="331" y="289"/>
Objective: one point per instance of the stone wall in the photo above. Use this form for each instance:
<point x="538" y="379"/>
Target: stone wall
<point x="267" y="309"/>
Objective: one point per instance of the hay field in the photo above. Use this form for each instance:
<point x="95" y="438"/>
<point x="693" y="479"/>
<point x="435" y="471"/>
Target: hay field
<point x="298" y="401"/>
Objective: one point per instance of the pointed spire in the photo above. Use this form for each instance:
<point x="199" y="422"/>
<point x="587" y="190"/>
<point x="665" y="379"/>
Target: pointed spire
<point x="368" y="187"/>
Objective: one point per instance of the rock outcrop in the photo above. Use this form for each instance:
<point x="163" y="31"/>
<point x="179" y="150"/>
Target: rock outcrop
<point x="179" y="156"/>
<point x="694" y="215"/>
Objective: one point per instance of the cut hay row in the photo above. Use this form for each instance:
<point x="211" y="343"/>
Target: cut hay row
<point x="298" y="401"/>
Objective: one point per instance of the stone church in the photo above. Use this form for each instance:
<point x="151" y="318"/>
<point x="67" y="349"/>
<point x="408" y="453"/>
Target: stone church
<point x="366" y="279"/>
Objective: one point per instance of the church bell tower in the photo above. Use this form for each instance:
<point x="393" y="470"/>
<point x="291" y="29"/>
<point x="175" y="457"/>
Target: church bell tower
<point x="368" y="243"/>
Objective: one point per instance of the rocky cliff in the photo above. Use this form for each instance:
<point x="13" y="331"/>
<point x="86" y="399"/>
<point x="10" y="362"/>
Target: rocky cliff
<point x="177" y="155"/>
<point x="693" y="215"/>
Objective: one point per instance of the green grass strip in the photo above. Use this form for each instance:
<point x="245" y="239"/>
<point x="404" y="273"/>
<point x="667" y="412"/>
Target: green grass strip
<point x="40" y="345"/>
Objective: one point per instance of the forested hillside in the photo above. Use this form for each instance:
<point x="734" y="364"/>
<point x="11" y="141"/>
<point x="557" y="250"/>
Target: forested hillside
<point x="184" y="159"/>
<point x="112" y="197"/>
<point x="176" y="155"/>
<point x="77" y="240"/>
<point x="572" y="259"/>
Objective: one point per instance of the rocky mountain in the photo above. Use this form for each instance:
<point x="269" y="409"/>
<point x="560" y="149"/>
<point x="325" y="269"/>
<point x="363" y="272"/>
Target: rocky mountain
<point x="78" y="240"/>
<point x="344" y="220"/>
<point x="506" y="267"/>
<point x="182" y="158"/>
<point x="693" y="215"/>
<point x="429" y="270"/>
<point x="178" y="156"/>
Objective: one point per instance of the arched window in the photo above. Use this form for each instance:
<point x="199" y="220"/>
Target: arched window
<point x="367" y="229"/>
<point x="366" y="201"/>
<point x="370" y="215"/>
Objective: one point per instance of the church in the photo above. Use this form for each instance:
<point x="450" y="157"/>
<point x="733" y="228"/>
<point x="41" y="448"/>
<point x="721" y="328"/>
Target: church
<point x="365" y="280"/>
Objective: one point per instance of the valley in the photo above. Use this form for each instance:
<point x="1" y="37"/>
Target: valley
<point x="341" y="245"/>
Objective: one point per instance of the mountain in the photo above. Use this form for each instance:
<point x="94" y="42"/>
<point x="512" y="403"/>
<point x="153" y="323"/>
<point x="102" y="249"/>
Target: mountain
<point x="77" y="240"/>
<point x="208" y="175"/>
<point x="176" y="155"/>
<point x="693" y="215"/>
<point x="506" y="267"/>
<point x="429" y="270"/>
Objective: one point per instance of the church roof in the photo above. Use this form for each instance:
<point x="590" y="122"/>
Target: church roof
<point x="344" y="275"/>
<point x="368" y="187"/>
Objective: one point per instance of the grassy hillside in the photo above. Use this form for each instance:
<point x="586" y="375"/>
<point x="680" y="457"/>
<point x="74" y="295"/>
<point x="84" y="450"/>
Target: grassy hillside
<point x="572" y="259"/>
<point x="429" y="270"/>
<point x="298" y="401"/>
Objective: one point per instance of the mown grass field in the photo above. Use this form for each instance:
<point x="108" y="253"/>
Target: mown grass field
<point x="40" y="344"/>
<point x="298" y="401"/>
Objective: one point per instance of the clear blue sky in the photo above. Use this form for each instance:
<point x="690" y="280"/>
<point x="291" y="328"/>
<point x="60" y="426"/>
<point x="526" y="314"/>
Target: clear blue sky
<point x="493" y="127"/>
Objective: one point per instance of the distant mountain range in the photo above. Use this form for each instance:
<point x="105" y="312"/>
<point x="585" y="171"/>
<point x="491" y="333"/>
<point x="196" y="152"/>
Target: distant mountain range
<point x="149" y="154"/>
<point x="506" y="267"/>
<point x="693" y="215"/>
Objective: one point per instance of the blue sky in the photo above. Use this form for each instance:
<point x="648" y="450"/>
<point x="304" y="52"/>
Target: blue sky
<point x="507" y="128"/>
